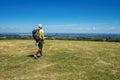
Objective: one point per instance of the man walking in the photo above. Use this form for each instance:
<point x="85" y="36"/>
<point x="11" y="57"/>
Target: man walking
<point x="40" y="42"/>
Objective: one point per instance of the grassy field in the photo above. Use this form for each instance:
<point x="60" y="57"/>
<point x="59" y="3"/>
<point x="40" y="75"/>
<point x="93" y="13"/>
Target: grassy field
<point x="63" y="60"/>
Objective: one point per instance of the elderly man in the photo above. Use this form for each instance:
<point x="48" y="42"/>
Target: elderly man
<point x="40" y="42"/>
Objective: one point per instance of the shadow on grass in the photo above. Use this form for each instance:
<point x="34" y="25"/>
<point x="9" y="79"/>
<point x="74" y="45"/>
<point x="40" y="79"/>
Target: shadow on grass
<point x="30" y="55"/>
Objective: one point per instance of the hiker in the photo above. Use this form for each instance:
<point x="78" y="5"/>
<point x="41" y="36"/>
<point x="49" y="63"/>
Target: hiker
<point x="38" y="35"/>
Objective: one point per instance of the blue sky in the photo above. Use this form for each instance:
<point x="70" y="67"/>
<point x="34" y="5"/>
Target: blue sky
<point x="60" y="16"/>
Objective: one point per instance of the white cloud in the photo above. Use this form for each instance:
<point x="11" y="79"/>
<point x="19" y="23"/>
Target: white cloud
<point x="82" y="28"/>
<point x="63" y="25"/>
<point x="14" y="29"/>
<point x="64" y="28"/>
<point x="112" y="28"/>
<point x="93" y="28"/>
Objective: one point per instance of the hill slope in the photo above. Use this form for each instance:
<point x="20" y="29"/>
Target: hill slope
<point x="63" y="60"/>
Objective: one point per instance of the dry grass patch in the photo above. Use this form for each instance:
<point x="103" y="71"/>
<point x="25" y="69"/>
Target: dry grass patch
<point x="62" y="60"/>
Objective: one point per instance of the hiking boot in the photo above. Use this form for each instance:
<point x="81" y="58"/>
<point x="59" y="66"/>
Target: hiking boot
<point x="35" y="56"/>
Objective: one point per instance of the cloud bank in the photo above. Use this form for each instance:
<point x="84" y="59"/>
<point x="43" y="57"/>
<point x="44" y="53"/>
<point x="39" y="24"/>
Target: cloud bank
<point x="64" y="28"/>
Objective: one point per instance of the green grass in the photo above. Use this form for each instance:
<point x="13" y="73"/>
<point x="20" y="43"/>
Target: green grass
<point x="63" y="60"/>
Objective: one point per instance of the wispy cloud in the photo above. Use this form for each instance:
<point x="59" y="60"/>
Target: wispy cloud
<point x="63" y="25"/>
<point x="14" y="29"/>
<point x="65" y="28"/>
<point x="83" y="28"/>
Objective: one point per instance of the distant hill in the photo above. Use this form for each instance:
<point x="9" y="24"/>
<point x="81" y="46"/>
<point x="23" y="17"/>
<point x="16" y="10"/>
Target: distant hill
<point x="66" y="36"/>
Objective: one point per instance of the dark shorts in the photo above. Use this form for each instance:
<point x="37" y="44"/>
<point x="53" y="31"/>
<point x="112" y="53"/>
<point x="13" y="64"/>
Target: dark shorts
<point x="40" y="44"/>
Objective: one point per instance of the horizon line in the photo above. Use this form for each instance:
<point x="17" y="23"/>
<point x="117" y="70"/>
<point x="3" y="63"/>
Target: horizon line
<point x="55" y="33"/>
